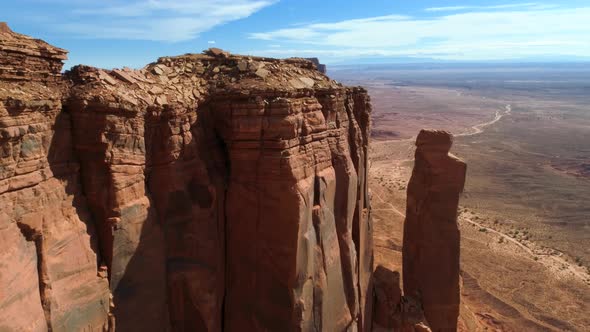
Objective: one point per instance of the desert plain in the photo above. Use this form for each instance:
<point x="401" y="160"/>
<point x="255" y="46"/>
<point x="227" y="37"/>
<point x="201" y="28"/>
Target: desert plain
<point x="524" y="132"/>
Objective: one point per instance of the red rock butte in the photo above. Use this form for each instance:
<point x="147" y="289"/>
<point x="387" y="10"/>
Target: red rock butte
<point x="431" y="233"/>
<point x="203" y="192"/>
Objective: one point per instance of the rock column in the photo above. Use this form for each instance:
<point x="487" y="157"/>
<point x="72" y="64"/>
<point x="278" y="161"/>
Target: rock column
<point x="431" y="233"/>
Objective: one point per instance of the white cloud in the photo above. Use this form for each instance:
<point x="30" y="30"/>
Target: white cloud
<point x="507" y="6"/>
<point x="211" y="42"/>
<point x="159" y="20"/>
<point x="473" y="35"/>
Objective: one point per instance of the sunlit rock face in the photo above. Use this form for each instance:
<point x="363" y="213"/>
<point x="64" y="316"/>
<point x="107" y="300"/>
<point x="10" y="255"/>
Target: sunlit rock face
<point x="49" y="273"/>
<point x="201" y="192"/>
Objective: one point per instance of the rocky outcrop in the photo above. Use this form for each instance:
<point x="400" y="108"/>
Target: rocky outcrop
<point x="49" y="277"/>
<point x="431" y="234"/>
<point x="391" y="310"/>
<point x="388" y="299"/>
<point x="202" y="192"/>
<point x="320" y="66"/>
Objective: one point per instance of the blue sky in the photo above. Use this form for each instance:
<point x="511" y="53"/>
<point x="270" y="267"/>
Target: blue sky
<point x="117" y="33"/>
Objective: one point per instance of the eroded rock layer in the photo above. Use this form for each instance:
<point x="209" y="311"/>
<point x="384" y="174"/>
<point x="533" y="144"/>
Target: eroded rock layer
<point x="431" y="233"/>
<point x="202" y="192"/>
<point x="49" y="277"/>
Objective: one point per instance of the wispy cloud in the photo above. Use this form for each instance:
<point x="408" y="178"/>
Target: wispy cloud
<point x="311" y="31"/>
<point x="159" y="20"/>
<point x="506" y="6"/>
<point x="520" y="30"/>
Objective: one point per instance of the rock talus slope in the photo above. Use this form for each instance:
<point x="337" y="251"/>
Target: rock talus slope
<point x="202" y="192"/>
<point x="431" y="233"/>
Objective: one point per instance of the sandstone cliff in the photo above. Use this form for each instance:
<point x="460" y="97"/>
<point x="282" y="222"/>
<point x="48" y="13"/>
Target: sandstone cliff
<point x="49" y="277"/>
<point x="202" y="192"/>
<point x="431" y="233"/>
<point x="430" y="252"/>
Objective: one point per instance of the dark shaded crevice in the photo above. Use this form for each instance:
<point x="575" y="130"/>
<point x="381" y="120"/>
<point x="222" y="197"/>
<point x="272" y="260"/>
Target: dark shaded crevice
<point x="214" y="151"/>
<point x="44" y="283"/>
<point x="101" y="237"/>
<point x="222" y="207"/>
<point x="317" y="221"/>
<point x="151" y="134"/>
<point x="316" y="191"/>
<point x="224" y="222"/>
<point x="218" y="166"/>
<point x="43" y="278"/>
<point x="318" y="290"/>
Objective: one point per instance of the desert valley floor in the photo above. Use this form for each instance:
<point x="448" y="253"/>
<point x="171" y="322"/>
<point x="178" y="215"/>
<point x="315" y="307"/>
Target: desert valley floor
<point x="523" y="216"/>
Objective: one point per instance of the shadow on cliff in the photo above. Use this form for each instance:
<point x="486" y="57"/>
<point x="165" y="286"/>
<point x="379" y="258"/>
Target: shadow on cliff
<point x="65" y="167"/>
<point x="137" y="275"/>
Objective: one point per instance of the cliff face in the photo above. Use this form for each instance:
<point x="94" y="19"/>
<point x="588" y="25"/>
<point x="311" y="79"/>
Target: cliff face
<point x="202" y="192"/>
<point x="48" y="264"/>
<point x="431" y="233"/>
<point x="320" y="66"/>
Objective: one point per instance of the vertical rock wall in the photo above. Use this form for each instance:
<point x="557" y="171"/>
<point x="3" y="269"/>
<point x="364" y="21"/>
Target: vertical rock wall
<point x="202" y="192"/>
<point x="291" y="206"/>
<point x="49" y="278"/>
<point x="431" y="234"/>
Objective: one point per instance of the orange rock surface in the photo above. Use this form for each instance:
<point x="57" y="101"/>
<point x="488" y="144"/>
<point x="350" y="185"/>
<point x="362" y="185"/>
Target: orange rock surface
<point x="48" y="264"/>
<point x="198" y="193"/>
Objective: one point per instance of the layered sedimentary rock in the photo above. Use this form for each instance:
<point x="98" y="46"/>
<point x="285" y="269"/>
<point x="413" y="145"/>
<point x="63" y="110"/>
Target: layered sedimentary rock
<point x="431" y="234"/>
<point x="49" y="278"/>
<point x="202" y="192"/>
